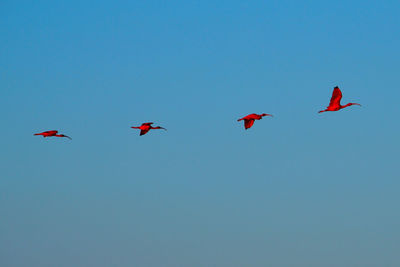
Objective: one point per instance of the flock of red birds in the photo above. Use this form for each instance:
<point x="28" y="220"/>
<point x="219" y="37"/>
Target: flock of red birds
<point x="334" y="105"/>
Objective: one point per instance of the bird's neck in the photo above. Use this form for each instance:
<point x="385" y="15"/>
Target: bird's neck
<point x="347" y="105"/>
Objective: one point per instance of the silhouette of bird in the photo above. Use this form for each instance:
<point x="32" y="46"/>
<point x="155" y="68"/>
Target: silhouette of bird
<point x="335" y="105"/>
<point x="249" y="119"/>
<point x="52" y="133"/>
<point x="145" y="127"/>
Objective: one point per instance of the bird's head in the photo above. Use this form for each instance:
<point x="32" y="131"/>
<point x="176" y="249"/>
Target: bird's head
<point x="351" y="104"/>
<point x="63" y="135"/>
<point x="265" y="114"/>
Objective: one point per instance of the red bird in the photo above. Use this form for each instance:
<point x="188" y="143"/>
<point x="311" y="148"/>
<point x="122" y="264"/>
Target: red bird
<point x="145" y="127"/>
<point x="249" y="119"/>
<point x="335" y="105"/>
<point x="52" y="133"/>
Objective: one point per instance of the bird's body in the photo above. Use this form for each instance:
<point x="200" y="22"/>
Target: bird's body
<point x="334" y="104"/>
<point x="145" y="127"/>
<point x="52" y="133"/>
<point x="249" y="119"/>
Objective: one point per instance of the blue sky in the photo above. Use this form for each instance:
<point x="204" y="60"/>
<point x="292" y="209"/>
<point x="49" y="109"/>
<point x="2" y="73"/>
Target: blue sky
<point x="299" y="189"/>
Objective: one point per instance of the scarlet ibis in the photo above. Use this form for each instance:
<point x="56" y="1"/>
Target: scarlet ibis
<point x="52" y="133"/>
<point x="146" y="126"/>
<point x="335" y="105"/>
<point x="249" y="119"/>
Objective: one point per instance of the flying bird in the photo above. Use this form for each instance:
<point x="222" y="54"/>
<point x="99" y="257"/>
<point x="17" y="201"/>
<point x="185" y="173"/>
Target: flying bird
<point x="335" y="105"/>
<point x="52" y="133"/>
<point x="249" y="119"/>
<point x="145" y="127"/>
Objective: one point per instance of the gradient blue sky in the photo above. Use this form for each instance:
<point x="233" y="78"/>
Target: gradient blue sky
<point x="299" y="189"/>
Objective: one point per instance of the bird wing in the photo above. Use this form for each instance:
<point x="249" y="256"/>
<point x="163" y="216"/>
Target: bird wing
<point x="336" y="97"/>
<point x="248" y="123"/>
<point x="147" y="123"/>
<point x="245" y="117"/>
<point x="144" y="131"/>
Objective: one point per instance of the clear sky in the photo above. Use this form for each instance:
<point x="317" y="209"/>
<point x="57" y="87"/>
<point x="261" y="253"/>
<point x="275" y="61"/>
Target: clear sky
<point x="299" y="189"/>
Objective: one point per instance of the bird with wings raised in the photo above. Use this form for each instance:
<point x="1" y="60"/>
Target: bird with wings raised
<point x="334" y="104"/>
